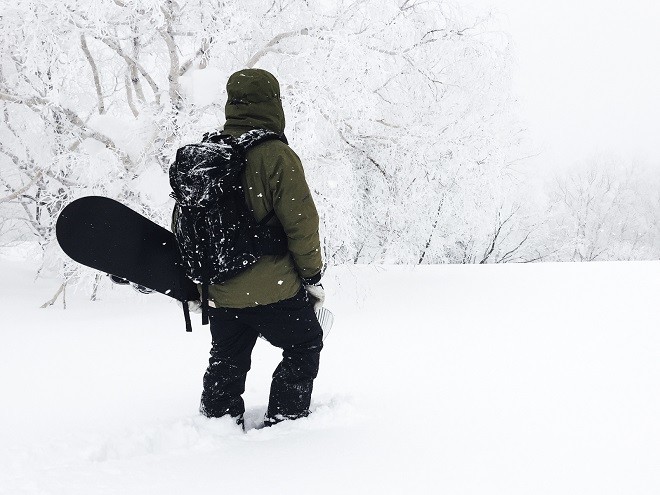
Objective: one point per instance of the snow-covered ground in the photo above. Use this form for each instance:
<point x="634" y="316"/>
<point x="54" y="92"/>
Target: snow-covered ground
<point x="516" y="379"/>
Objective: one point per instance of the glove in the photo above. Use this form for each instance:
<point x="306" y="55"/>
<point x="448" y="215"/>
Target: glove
<point x="317" y="292"/>
<point x="193" y="306"/>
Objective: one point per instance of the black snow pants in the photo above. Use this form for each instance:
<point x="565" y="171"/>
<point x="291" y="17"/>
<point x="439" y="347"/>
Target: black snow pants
<point x="290" y="325"/>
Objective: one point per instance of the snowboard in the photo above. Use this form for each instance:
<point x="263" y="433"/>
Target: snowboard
<point x="108" y="236"/>
<point x="104" y="234"/>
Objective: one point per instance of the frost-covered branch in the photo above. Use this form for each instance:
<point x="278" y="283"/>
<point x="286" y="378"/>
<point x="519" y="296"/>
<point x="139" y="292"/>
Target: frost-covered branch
<point x="18" y="192"/>
<point x="496" y="236"/>
<point x="378" y="166"/>
<point x="133" y="70"/>
<point x="507" y="256"/>
<point x="433" y="227"/>
<point x="134" y="65"/>
<point x="113" y="44"/>
<point x="271" y="44"/>
<point x="50" y="302"/>
<point x="95" y="73"/>
<point x="173" y="76"/>
<point x="36" y="101"/>
<point x="129" y="96"/>
<point x="202" y="52"/>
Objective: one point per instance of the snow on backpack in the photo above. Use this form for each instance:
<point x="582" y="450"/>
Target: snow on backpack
<point x="217" y="234"/>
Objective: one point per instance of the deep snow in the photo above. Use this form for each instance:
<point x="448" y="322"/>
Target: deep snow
<point x="448" y="379"/>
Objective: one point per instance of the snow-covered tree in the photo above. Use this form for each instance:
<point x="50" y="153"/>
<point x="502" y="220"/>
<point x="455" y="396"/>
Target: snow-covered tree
<point x="401" y="112"/>
<point x="607" y="209"/>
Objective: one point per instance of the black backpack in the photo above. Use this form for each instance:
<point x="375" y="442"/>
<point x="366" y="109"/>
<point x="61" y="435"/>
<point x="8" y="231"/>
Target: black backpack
<point x="217" y="234"/>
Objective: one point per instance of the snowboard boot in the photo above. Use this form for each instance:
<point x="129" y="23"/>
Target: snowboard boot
<point x="278" y="418"/>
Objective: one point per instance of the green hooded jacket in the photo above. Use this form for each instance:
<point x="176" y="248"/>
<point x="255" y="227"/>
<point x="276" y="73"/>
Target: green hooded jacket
<point x="273" y="180"/>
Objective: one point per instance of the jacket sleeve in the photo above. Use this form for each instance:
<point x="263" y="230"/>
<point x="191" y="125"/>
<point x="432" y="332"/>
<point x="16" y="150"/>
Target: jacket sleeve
<point x="295" y="209"/>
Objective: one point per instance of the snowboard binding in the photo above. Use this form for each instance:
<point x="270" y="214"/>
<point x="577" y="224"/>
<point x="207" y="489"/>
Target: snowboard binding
<point x="122" y="281"/>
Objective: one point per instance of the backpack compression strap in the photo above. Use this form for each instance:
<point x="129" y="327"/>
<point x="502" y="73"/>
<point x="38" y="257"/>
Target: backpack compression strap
<point x="267" y="218"/>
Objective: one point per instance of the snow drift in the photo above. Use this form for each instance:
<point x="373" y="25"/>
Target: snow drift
<point x="446" y="379"/>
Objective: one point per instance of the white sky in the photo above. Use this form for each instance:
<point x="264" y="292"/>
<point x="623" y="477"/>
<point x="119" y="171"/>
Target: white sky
<point x="588" y="75"/>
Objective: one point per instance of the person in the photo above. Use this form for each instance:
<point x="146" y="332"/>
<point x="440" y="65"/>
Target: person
<point x="275" y="297"/>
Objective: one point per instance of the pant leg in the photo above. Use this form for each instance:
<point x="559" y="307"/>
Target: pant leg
<point x="230" y="360"/>
<point x="292" y="325"/>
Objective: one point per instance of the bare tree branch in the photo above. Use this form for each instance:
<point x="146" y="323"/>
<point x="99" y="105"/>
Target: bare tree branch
<point x="173" y="76"/>
<point x="133" y="63"/>
<point x="505" y="257"/>
<point x="129" y="96"/>
<point x="52" y="301"/>
<point x="203" y="52"/>
<point x="23" y="100"/>
<point x="378" y="166"/>
<point x="269" y="46"/>
<point x="95" y="73"/>
<point x="14" y="158"/>
<point x="496" y="235"/>
<point x="435" y="225"/>
<point x="9" y="125"/>
<point x="35" y="101"/>
<point x="63" y="180"/>
<point x="17" y="193"/>
<point x="135" y="77"/>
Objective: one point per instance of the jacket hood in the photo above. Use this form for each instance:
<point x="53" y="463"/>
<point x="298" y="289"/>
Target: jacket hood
<point x="253" y="102"/>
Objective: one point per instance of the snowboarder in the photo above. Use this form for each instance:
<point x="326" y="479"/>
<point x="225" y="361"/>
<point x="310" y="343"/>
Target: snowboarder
<point x="275" y="297"/>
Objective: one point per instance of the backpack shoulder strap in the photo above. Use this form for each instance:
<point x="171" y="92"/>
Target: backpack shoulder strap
<point x="252" y="138"/>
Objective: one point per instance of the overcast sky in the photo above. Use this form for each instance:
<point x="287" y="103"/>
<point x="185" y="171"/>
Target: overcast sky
<point x="588" y="74"/>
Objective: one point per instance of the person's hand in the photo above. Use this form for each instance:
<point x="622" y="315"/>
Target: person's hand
<point x="317" y="292"/>
<point x="193" y="306"/>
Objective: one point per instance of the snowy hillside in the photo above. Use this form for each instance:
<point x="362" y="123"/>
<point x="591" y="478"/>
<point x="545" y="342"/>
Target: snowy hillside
<point x="512" y="379"/>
